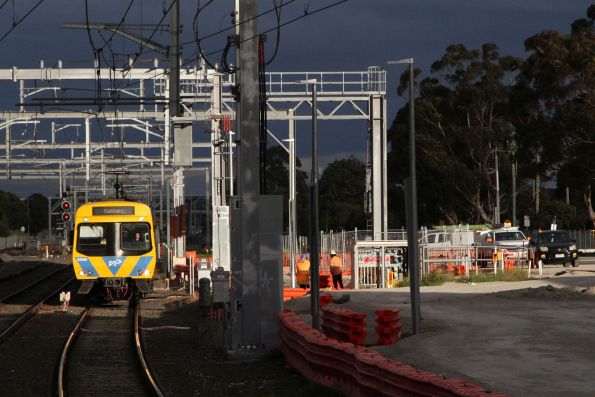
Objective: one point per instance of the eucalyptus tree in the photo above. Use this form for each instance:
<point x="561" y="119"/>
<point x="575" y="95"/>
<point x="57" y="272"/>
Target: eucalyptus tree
<point x="462" y="120"/>
<point x="556" y="97"/>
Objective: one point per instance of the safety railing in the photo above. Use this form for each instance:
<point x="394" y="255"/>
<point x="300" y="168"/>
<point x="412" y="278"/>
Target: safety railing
<point x="466" y="259"/>
<point x="372" y="80"/>
<point x="585" y="240"/>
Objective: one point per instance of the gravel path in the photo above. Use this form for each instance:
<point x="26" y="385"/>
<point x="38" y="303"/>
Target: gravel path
<point x="29" y="357"/>
<point x="180" y="346"/>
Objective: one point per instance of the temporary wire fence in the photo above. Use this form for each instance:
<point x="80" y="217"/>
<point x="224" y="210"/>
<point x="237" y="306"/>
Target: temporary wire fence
<point x="450" y="250"/>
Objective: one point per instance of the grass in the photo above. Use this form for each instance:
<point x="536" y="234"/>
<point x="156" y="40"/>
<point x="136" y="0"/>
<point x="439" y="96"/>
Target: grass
<point x="507" y="275"/>
<point x="436" y="277"/>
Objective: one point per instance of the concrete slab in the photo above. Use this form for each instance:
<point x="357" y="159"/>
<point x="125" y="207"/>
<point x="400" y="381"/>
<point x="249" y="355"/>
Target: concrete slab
<point x="531" y="338"/>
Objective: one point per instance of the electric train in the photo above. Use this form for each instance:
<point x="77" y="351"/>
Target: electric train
<point x="114" y="247"/>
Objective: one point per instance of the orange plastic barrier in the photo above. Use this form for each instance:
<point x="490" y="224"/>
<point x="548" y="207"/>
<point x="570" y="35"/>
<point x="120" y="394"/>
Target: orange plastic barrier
<point x="344" y="325"/>
<point x="325" y="299"/>
<point x="292" y="293"/>
<point x="358" y="371"/>
<point x="388" y="326"/>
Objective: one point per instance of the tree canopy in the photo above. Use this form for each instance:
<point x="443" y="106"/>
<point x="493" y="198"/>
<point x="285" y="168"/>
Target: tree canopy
<point x="537" y="114"/>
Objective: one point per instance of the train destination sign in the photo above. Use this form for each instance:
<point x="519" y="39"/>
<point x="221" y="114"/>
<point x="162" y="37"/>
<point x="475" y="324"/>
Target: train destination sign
<point x="128" y="210"/>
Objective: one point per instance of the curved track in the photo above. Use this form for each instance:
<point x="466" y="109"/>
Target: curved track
<point x="37" y="295"/>
<point x="103" y="355"/>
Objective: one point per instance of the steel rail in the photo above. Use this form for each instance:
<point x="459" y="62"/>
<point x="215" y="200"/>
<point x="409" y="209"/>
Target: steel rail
<point x="29" y="312"/>
<point x="66" y="349"/>
<point x="139" y="351"/>
<point x="149" y="378"/>
<point x="25" y="288"/>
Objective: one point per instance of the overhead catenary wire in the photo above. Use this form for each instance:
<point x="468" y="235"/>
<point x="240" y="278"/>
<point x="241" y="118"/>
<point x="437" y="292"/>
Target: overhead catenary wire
<point x="17" y="23"/>
<point x="233" y="26"/>
<point x="191" y="59"/>
<point x="225" y="67"/>
<point x="278" y="38"/>
<point x="197" y="40"/>
<point x="188" y="61"/>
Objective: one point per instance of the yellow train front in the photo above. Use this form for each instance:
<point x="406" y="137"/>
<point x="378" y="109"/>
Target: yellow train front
<point x="114" y="247"/>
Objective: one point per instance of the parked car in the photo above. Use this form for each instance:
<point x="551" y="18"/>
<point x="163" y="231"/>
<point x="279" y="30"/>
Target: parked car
<point x="509" y="240"/>
<point x="555" y="246"/>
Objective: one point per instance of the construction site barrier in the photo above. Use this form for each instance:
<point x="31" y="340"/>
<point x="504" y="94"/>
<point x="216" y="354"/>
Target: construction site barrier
<point x="359" y="371"/>
<point x="388" y="326"/>
<point x="292" y="293"/>
<point x="325" y="299"/>
<point x="344" y="325"/>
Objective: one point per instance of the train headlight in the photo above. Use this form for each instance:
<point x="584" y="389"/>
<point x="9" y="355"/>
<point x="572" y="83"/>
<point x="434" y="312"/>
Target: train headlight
<point x="85" y="219"/>
<point x="82" y="273"/>
<point x="147" y="272"/>
<point x="141" y="218"/>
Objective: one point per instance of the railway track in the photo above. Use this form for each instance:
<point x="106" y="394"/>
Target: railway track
<point x="103" y="355"/>
<point x="28" y="299"/>
<point x="36" y="281"/>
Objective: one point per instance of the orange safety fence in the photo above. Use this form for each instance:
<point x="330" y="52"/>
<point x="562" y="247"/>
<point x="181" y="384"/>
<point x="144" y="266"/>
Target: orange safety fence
<point x="360" y="371"/>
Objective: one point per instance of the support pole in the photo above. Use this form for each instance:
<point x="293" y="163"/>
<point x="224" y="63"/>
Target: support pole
<point x="247" y="315"/>
<point x="168" y="230"/>
<point x="174" y="59"/>
<point x="411" y="208"/>
<point x="497" y="209"/>
<point x="50" y="219"/>
<point x="514" y="220"/>
<point x="314" y="227"/>
<point x="292" y="232"/>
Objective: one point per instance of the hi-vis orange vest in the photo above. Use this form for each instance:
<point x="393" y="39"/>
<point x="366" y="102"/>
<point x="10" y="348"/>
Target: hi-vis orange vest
<point x="303" y="271"/>
<point x="336" y="265"/>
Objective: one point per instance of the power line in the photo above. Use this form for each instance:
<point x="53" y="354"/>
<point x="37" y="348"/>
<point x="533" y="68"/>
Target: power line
<point x="191" y="59"/>
<point x="17" y="23"/>
<point x="284" y="24"/>
<point x="131" y="64"/>
<point x="218" y="32"/>
<point x="278" y="39"/>
<point x="3" y="4"/>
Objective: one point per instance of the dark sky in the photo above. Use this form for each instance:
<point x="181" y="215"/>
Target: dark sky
<point x="348" y="37"/>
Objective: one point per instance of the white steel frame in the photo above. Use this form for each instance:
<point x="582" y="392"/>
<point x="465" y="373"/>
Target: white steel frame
<point x="144" y="125"/>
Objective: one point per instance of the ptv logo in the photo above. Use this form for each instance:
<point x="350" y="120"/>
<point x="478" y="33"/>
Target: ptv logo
<point x="115" y="263"/>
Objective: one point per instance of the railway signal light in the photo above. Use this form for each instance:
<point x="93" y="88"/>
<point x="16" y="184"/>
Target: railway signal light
<point x="66" y="207"/>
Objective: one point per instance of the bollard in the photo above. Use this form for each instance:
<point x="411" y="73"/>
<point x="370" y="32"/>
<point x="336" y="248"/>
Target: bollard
<point x="204" y="292"/>
<point x="65" y="299"/>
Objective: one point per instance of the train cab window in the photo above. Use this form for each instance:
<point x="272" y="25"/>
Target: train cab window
<point x="135" y="237"/>
<point x="93" y="239"/>
<point x="92" y="235"/>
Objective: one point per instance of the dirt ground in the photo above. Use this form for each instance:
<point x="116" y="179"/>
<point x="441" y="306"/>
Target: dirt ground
<point x="531" y="338"/>
<point x="183" y="349"/>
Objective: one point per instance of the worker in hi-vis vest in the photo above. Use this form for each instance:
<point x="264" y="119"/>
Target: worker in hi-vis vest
<point x="303" y="271"/>
<point x="336" y="270"/>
